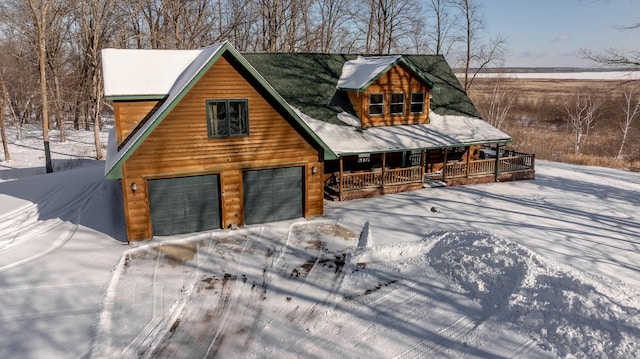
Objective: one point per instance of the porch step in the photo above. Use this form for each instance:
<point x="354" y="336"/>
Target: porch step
<point x="331" y="193"/>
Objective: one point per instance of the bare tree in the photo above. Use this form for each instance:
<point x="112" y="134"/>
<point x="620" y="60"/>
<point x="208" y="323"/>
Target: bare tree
<point x="96" y="22"/>
<point x="388" y="24"/>
<point x="39" y="11"/>
<point x="471" y="25"/>
<point x="239" y="18"/>
<point x="630" y="109"/>
<point x="615" y="57"/>
<point x="273" y="16"/>
<point x="58" y="29"/>
<point x="3" y="131"/>
<point x="582" y="111"/>
<point x="444" y="24"/>
<point x="190" y="24"/>
<point x="476" y="53"/>
<point x="331" y="14"/>
<point x="501" y="100"/>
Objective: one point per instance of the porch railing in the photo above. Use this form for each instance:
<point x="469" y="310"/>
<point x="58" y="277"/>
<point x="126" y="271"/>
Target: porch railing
<point x="464" y="169"/>
<point x="352" y="181"/>
<point x="397" y="176"/>
<point x="520" y="162"/>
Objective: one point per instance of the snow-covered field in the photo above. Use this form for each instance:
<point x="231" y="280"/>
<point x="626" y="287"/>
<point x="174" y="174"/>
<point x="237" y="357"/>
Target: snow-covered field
<point x="576" y="75"/>
<point x="538" y="269"/>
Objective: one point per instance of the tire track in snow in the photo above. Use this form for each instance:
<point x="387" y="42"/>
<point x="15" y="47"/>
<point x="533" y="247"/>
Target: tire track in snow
<point x="221" y="294"/>
<point x="316" y="272"/>
<point x="441" y="340"/>
<point x="23" y="223"/>
<point x="154" y="336"/>
<point x="521" y="350"/>
<point x="66" y="236"/>
<point x="216" y="342"/>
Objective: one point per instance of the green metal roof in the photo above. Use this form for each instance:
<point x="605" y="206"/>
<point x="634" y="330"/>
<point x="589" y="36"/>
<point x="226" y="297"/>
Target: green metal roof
<point x="308" y="82"/>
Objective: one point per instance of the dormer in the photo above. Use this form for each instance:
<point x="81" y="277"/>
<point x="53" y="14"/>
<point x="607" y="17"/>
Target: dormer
<point x="386" y="91"/>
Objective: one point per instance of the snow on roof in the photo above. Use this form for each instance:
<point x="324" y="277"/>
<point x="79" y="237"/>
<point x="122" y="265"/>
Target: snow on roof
<point x="442" y="131"/>
<point x="175" y="91"/>
<point x="143" y="72"/>
<point x="357" y="73"/>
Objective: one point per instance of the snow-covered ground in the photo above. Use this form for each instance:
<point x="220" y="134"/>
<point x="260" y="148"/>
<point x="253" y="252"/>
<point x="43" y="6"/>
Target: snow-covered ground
<point x="540" y="269"/>
<point x="572" y="75"/>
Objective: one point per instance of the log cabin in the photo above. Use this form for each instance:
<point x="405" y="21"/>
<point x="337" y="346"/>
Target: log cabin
<point x="212" y="138"/>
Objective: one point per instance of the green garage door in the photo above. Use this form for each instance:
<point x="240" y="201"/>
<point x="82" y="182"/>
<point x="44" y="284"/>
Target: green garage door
<point x="184" y="204"/>
<point x="272" y="195"/>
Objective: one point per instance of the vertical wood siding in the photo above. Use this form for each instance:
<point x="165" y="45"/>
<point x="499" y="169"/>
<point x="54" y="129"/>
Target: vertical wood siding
<point x="180" y="146"/>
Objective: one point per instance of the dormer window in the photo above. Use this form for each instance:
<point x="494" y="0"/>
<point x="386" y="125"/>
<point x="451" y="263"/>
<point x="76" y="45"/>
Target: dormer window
<point x="385" y="91"/>
<point x="396" y="106"/>
<point x="376" y="104"/>
<point x="417" y="102"/>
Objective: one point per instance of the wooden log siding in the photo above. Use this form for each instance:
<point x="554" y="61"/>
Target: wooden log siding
<point x="314" y="203"/>
<point x="396" y="80"/>
<point x="180" y="146"/>
<point x="130" y="114"/>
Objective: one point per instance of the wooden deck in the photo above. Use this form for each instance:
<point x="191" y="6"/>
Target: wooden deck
<point x="362" y="184"/>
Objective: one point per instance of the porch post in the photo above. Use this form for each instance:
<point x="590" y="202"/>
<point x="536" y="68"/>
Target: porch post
<point x="444" y="164"/>
<point x="384" y="164"/>
<point x="468" y="159"/>
<point x="340" y="181"/>
<point x="533" y="161"/>
<point x="497" y="162"/>
<point x="423" y="160"/>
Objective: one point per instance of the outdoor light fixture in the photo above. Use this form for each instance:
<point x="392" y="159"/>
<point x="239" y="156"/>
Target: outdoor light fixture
<point x="134" y="187"/>
<point x="314" y="169"/>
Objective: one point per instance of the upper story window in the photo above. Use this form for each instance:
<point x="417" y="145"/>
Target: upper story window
<point x="226" y="118"/>
<point x="376" y="104"/>
<point x="396" y="105"/>
<point x="417" y="102"/>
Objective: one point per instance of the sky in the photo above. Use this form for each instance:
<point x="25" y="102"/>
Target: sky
<point x="550" y="33"/>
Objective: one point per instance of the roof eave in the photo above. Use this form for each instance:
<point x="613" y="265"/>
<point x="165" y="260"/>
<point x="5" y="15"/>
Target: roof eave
<point x="384" y="71"/>
<point x="135" y="97"/>
<point x="400" y="59"/>
<point x="114" y="173"/>
<point x="474" y="143"/>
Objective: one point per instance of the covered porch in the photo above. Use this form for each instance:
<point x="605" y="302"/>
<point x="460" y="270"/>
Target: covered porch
<point x="370" y="175"/>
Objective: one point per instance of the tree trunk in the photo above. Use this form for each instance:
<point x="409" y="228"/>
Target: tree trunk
<point x="467" y="63"/>
<point x="96" y="131"/>
<point x="58" y="105"/>
<point x="624" y="140"/>
<point x="3" y="133"/>
<point x="41" y="23"/>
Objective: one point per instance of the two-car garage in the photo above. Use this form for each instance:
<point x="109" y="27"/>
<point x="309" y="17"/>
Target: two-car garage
<point x="193" y="203"/>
